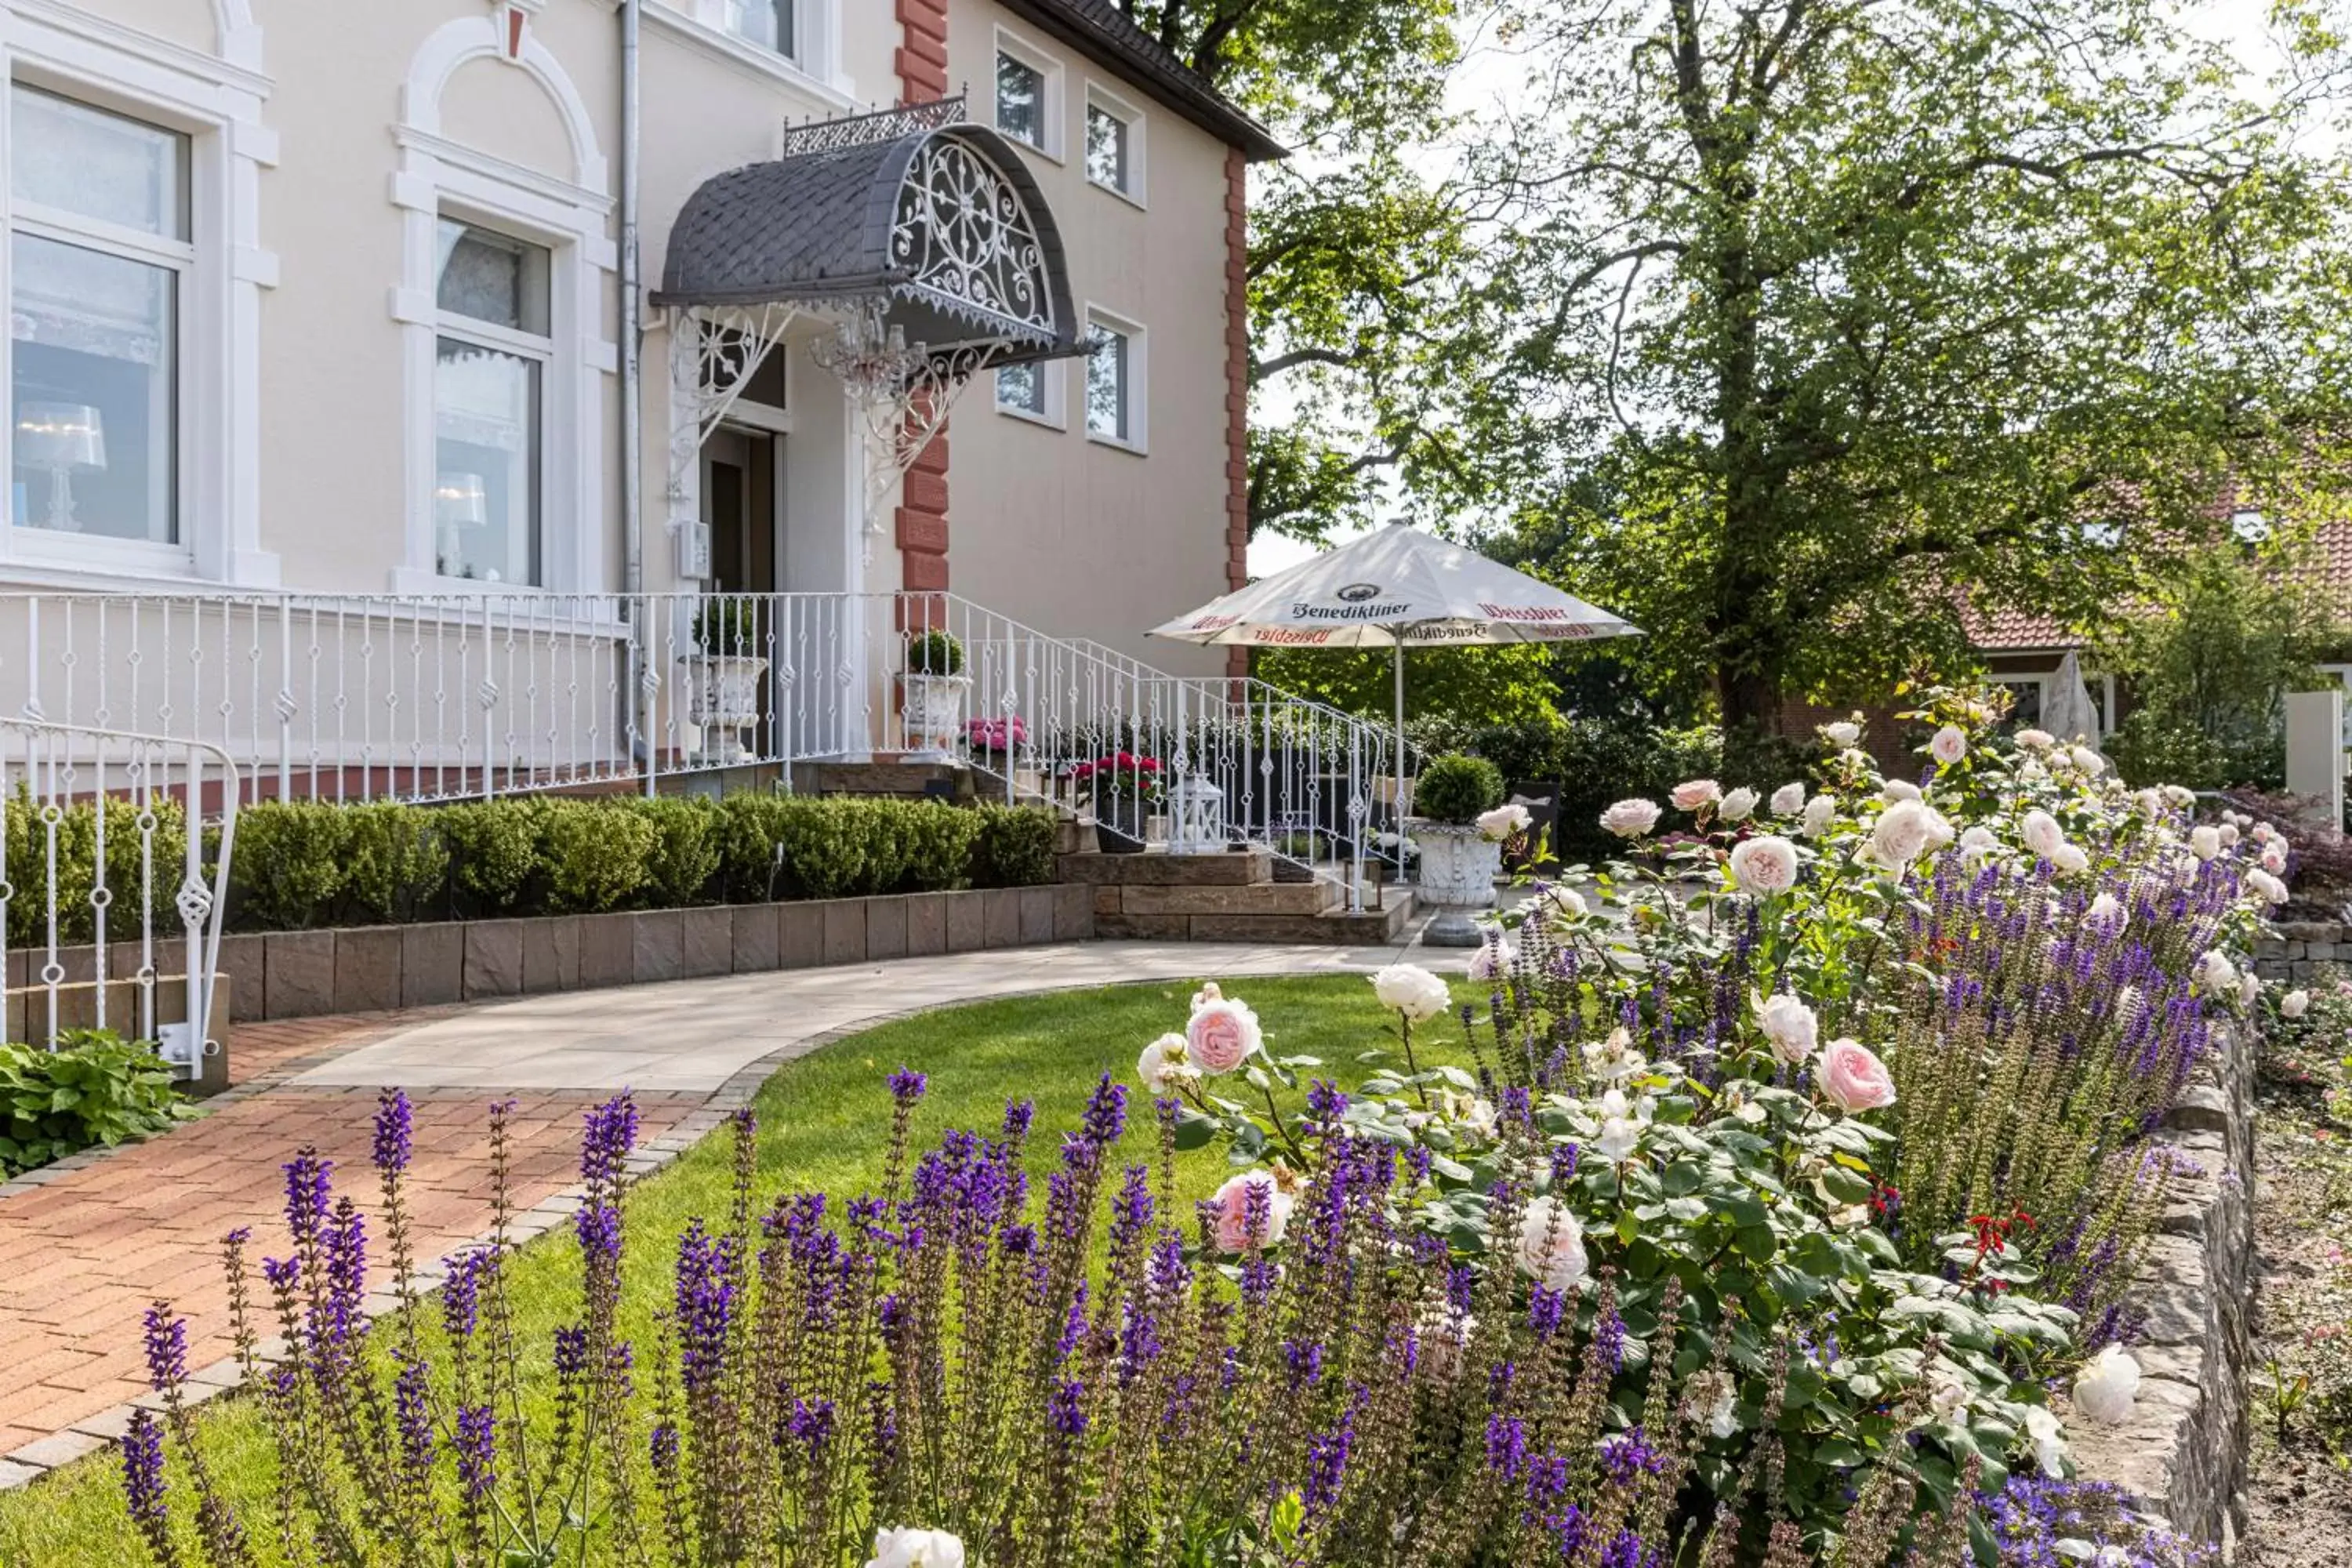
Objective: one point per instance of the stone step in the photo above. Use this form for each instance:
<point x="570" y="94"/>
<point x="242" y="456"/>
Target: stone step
<point x="1333" y="927"/>
<point x="1159" y="869"/>
<point x="887" y="778"/>
<point x="1218" y="898"/>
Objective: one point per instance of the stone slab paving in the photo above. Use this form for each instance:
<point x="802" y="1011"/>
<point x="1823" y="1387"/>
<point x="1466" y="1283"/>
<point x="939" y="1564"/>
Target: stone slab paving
<point x="86" y="1243"/>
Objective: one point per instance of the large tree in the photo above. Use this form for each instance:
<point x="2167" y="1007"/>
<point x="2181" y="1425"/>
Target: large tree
<point x="1822" y="316"/>
<point x="1362" y="262"/>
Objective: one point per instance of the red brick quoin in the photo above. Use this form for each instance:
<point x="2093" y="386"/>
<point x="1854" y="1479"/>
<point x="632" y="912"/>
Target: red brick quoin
<point x="1236" y="385"/>
<point x="922" y="531"/>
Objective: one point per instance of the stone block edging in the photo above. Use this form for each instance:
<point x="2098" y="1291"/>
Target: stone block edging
<point x="276" y="975"/>
<point x="2296" y="951"/>
<point x="2183" y="1448"/>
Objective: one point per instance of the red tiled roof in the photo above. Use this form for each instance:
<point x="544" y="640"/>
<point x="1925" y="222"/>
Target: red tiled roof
<point x="2001" y="629"/>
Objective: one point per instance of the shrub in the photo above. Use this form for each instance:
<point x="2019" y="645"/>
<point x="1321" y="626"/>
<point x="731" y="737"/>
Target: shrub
<point x="939" y="841"/>
<point x="96" y="1088"/>
<point x="1455" y="789"/>
<point x="729" y="624"/>
<point x="1013" y="846"/>
<point x="493" y="849"/>
<point x="686" y="847"/>
<point x="289" y="862"/>
<point x="750" y="826"/>
<point x="395" y="862"/>
<point x="127" y="866"/>
<point x="935" y="653"/>
<point x="828" y="848"/>
<point x="591" y="856"/>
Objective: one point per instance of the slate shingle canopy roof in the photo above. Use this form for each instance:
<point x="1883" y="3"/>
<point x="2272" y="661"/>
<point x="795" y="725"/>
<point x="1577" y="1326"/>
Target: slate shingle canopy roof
<point x="818" y="228"/>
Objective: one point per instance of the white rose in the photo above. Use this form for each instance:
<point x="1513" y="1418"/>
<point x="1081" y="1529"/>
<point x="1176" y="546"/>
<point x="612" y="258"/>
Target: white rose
<point x="2069" y="858"/>
<point x="1207" y="994"/>
<point x="1899" y="789"/>
<point x="1551" y="1244"/>
<point x="2273" y="890"/>
<point x="2106" y="909"/>
<point x="2106" y="1387"/>
<point x="1793" y="1027"/>
<point x="2274" y="857"/>
<point x="2262" y="832"/>
<point x="1978" y="842"/>
<point x="1737" y="805"/>
<point x="1818" y="813"/>
<point x="2180" y="794"/>
<point x="1842" y="733"/>
<point x="2205" y="841"/>
<point x="2217" y="972"/>
<point x="1788" y="799"/>
<point x="2042" y="1430"/>
<point x="1479" y="1119"/>
<point x="1561" y="902"/>
<point x="2030" y="769"/>
<point x="1613" y="1057"/>
<point x="1950" y="744"/>
<point x="1764" y="865"/>
<point x="1164" y="1065"/>
<point x="2041" y="833"/>
<point x="1491" y="962"/>
<point x="2250" y="987"/>
<point x="2035" y="740"/>
<point x="1409" y="989"/>
<point x="2150" y="802"/>
<point x="1948" y="1391"/>
<point x="1619" y="1137"/>
<point x="2090" y="762"/>
<point x="2228" y="832"/>
<point x="1505" y="822"/>
<point x="1906" y="830"/>
<point x="916" y="1549"/>
<point x="1613" y="1102"/>
<point x="1631" y="818"/>
<point x="2295" y="1004"/>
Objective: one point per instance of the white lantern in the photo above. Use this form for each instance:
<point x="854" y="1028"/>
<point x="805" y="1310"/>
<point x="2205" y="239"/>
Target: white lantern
<point x="1199" y="808"/>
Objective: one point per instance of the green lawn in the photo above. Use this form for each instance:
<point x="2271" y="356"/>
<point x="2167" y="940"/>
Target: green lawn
<point x="823" y="1123"/>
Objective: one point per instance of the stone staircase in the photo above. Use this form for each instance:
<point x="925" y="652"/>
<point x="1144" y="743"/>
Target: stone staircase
<point x="1234" y="897"/>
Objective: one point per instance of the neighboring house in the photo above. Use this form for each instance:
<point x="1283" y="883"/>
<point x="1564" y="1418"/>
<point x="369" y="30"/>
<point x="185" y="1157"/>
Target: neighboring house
<point x="326" y="296"/>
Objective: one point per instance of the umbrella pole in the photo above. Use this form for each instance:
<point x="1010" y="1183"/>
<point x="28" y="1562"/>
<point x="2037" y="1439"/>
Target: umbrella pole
<point x="1399" y="749"/>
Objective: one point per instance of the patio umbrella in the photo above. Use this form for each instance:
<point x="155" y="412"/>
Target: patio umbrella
<point x="2070" y="716"/>
<point x="1397" y="587"/>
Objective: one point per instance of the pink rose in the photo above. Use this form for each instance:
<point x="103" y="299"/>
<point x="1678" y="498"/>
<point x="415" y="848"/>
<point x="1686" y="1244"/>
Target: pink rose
<point x="1221" y="1036"/>
<point x="1694" y="793"/>
<point x="1233" y="1212"/>
<point x="1855" y="1080"/>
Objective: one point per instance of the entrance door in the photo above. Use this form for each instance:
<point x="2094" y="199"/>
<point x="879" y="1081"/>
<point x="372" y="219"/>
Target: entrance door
<point x="738" y="502"/>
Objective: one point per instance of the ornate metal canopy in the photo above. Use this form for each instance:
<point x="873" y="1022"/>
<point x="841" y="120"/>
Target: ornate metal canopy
<point x="925" y="237"/>
<point x="932" y="224"/>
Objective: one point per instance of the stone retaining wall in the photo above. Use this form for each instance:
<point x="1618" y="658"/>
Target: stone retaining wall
<point x="2184" y="1448"/>
<point x="2300" y="949"/>
<point x="369" y="969"/>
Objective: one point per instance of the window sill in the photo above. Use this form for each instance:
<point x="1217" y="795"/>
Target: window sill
<point x="1028" y="416"/>
<point x="1047" y="153"/>
<point x="751" y="56"/>
<point x="1132" y="449"/>
<point x="1129" y="197"/>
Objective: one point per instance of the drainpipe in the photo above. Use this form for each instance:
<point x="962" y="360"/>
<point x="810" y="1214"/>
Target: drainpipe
<point x="633" y="332"/>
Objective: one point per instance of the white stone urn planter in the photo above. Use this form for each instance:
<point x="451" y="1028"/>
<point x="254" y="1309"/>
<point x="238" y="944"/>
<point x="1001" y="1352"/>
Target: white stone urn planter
<point x="722" y="699"/>
<point x="934" y="714"/>
<point x="1458" y="866"/>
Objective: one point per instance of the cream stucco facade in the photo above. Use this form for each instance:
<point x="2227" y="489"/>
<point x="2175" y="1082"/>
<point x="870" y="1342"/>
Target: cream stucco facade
<point x="289" y="179"/>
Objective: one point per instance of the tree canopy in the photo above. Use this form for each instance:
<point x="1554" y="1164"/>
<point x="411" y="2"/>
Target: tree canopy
<point x="1786" y="328"/>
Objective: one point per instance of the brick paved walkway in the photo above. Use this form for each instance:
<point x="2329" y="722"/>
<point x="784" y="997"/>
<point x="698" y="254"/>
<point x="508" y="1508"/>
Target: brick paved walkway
<point x="87" y="1244"/>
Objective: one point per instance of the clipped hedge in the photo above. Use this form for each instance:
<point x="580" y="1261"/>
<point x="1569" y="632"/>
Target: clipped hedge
<point x="75" y="833"/>
<point x="302" y="864"/>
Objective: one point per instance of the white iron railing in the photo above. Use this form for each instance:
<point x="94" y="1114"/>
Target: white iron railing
<point x="345" y="696"/>
<point x="118" y="849"/>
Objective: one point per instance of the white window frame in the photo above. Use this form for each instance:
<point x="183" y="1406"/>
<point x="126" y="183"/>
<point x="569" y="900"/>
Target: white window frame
<point x="476" y="333"/>
<point x="1138" y="439"/>
<point x="1052" y="104"/>
<point x="1053" y="379"/>
<point x="813" y="67"/>
<point x="567" y="215"/>
<point x="216" y="102"/>
<point x="2046" y="682"/>
<point x="1101" y="99"/>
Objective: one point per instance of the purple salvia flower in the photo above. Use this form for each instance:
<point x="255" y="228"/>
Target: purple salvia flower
<point x="461" y="1294"/>
<point x="1628" y="1454"/>
<point x="1545" y="1309"/>
<point x="705" y="1304"/>
<point x="662" y="1449"/>
<point x="1563" y="1163"/>
<point x="906" y="1086"/>
<point x="167" y="1347"/>
<point x="608" y="1134"/>
<point x="477" y="1451"/>
<point x="811" y="1422"/>
<point x="1065" y="1408"/>
<point x="1609" y="1333"/>
<point x="1305" y="1362"/>
<point x="413" y="1415"/>
<point x="1327" y="1465"/>
<point x="310" y="1194"/>
<point x="1106" y="1113"/>
<point x="143" y="1485"/>
<point x="1507" y="1446"/>
<point x="1131" y="1209"/>
<point x="1018" y="1114"/>
<point x="1326" y="1106"/>
<point x="394" y="1136"/>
